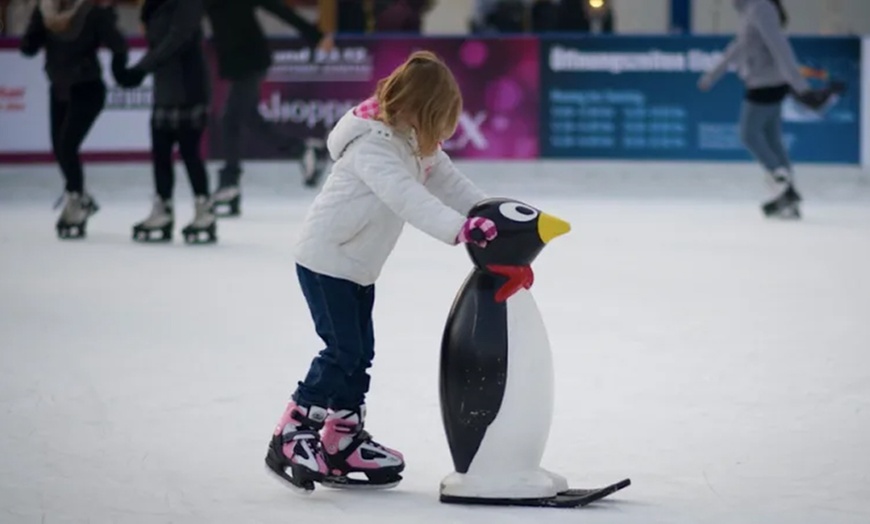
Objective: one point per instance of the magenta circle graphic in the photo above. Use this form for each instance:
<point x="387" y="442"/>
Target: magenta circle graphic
<point x="503" y="94"/>
<point x="473" y="53"/>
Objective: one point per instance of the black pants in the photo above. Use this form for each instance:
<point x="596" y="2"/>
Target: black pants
<point x="188" y="138"/>
<point x="72" y="115"/>
<point x="240" y="110"/>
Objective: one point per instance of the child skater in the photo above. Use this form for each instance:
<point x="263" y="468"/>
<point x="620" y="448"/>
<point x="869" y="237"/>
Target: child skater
<point x="389" y="169"/>
<point x="71" y="33"/>
<point x="179" y="115"/>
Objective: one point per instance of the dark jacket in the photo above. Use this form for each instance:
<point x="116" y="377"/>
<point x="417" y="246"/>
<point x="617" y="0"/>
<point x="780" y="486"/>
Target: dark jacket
<point x="175" y="54"/>
<point x="242" y="48"/>
<point x="71" y="52"/>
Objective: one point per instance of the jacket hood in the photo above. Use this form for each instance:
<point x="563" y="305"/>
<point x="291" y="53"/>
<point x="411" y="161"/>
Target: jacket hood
<point x="64" y="16"/>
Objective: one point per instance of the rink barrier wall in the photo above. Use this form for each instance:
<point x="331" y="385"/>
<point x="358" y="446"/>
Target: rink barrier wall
<point x="525" y="97"/>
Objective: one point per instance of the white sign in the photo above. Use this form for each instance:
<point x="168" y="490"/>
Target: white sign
<point x="122" y="127"/>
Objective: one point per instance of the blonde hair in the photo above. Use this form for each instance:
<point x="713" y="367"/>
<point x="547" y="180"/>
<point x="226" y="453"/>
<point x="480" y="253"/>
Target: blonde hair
<point x="422" y="93"/>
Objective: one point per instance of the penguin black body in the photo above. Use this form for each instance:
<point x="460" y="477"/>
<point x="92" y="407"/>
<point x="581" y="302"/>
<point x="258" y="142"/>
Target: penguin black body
<point x="475" y="347"/>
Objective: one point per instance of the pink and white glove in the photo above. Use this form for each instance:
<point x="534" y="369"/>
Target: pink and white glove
<point x="477" y="230"/>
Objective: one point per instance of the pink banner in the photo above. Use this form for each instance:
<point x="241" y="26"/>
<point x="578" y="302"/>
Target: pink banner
<point x="306" y="93"/>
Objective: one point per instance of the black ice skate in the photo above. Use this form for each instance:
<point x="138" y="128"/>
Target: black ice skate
<point x="786" y="202"/>
<point x="786" y="206"/>
<point x="226" y="201"/>
<point x="313" y="162"/>
<point x="354" y="459"/>
<point x="158" y="226"/>
<point x="294" y="453"/>
<point x="203" y="228"/>
<point x="73" y="220"/>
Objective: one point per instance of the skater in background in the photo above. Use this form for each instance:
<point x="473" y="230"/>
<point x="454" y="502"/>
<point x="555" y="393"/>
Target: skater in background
<point x="71" y="33"/>
<point x="179" y="115"/>
<point x="769" y="70"/>
<point x="244" y="58"/>
<point x="389" y="169"/>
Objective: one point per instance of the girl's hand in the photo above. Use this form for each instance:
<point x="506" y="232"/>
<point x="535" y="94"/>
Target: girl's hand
<point x="477" y="230"/>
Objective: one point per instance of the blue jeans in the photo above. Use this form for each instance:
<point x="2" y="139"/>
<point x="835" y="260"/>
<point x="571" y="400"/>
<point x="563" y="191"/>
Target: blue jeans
<point x="342" y="314"/>
<point x="761" y="133"/>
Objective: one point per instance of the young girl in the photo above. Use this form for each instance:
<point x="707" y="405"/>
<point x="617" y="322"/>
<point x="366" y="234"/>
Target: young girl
<point x="389" y="169"/>
<point x="176" y="58"/>
<point x="769" y="70"/>
<point x="71" y="32"/>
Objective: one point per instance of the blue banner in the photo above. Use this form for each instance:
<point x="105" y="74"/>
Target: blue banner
<point x="637" y="98"/>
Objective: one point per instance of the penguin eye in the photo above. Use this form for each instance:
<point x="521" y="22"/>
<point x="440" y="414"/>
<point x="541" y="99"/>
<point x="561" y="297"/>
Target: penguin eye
<point x="517" y="212"/>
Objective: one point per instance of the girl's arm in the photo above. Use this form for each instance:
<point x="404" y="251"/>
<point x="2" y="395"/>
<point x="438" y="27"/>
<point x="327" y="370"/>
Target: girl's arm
<point x="34" y="37"/>
<point x="768" y="23"/>
<point x="452" y="187"/>
<point x="715" y="74"/>
<point x="187" y="20"/>
<point x="378" y="163"/>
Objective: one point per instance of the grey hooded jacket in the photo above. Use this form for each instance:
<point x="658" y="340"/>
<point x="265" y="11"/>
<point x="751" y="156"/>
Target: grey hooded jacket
<point x="760" y="50"/>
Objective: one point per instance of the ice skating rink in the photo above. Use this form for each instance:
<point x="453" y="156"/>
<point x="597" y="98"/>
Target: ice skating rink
<point x="720" y="361"/>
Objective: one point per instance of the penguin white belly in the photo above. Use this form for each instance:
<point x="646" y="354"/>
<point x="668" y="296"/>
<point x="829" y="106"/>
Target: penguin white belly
<point x="507" y="464"/>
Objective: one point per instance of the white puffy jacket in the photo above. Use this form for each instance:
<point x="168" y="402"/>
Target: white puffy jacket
<point x="377" y="184"/>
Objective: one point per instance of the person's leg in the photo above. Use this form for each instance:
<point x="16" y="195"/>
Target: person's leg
<point x="57" y="108"/>
<point x="760" y="130"/>
<point x="359" y="381"/>
<point x="335" y="308"/>
<point x="162" y="144"/>
<point x="86" y="103"/>
<point x="242" y="110"/>
<point x="754" y="120"/>
<point x="773" y="133"/>
<point x="189" y="141"/>
<point x="295" y="452"/>
<point x="162" y="216"/>
<point x="347" y="447"/>
<point x="242" y="95"/>
<point x="202" y="229"/>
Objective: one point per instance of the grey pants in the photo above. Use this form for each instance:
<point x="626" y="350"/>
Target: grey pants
<point x="240" y="110"/>
<point x="761" y="132"/>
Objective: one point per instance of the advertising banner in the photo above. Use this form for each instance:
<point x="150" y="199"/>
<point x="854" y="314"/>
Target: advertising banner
<point x="637" y="98"/>
<point x="306" y="92"/>
<point x="120" y="132"/>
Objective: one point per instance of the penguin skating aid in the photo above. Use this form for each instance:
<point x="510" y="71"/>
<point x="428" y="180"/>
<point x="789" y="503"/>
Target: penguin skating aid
<point x="496" y="374"/>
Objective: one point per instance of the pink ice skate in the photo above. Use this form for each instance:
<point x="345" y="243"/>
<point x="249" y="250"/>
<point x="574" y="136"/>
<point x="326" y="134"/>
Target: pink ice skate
<point x="294" y="454"/>
<point x="349" y="449"/>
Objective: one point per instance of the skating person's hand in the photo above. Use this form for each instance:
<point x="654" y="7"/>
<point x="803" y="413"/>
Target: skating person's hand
<point x="130" y="78"/>
<point x="814" y="99"/>
<point x="705" y="83"/>
<point x="327" y="43"/>
<point x="477" y="230"/>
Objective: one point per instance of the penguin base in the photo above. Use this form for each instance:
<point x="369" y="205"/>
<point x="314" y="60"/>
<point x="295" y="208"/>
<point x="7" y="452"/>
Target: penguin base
<point x="571" y="498"/>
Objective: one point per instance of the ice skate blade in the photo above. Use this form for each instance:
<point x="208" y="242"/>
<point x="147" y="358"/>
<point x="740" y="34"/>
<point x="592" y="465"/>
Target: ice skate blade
<point x="287" y="482"/>
<point x="196" y="236"/>
<point x="227" y="209"/>
<point x="351" y="484"/>
<point x="144" y="234"/>
<point x="67" y="232"/>
<point x="572" y="498"/>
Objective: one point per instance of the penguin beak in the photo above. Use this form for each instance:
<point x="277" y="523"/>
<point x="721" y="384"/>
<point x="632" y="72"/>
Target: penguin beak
<point x="549" y="227"/>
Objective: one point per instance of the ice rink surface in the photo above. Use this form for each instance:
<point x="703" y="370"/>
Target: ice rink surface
<point x="720" y="361"/>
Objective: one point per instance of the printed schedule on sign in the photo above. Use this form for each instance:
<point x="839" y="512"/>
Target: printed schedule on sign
<point x="614" y="119"/>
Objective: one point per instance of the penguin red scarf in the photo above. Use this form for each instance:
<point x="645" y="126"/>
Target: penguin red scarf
<point x="518" y="277"/>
